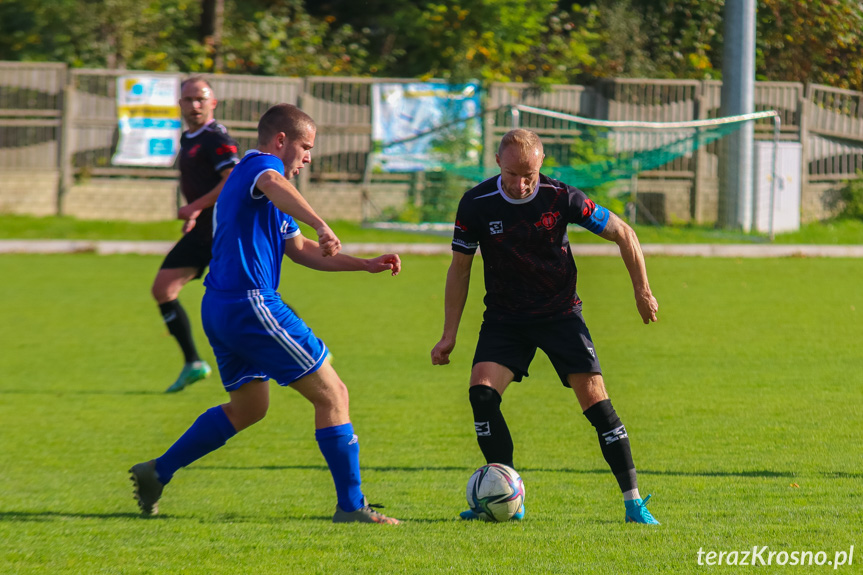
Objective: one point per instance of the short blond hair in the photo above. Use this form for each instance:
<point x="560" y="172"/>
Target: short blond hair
<point x="526" y="141"/>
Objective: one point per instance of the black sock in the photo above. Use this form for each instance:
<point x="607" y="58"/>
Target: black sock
<point x="492" y="434"/>
<point x="614" y="443"/>
<point x="178" y="325"/>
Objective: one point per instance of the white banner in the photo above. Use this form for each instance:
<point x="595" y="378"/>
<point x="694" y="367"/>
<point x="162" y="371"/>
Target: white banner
<point x="149" y="117"/>
<point x="420" y="126"/>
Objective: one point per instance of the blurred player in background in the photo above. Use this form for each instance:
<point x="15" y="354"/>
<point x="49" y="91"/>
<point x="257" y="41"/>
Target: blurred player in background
<point x="207" y="156"/>
<point x="254" y="334"/>
<point x="519" y="220"/>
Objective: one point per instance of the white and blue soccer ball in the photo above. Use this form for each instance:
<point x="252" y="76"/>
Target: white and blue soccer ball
<point x="495" y="492"/>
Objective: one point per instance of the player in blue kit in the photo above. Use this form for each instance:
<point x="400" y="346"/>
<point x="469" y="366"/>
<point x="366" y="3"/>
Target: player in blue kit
<point x="254" y="334"/>
<point x="518" y="219"/>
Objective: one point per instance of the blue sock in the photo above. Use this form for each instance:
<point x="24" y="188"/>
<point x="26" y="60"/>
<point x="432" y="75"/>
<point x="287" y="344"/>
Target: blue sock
<point x="209" y="432"/>
<point x="342" y="452"/>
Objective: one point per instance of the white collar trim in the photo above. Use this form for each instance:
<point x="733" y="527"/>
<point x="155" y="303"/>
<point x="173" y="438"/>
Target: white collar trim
<point x="512" y="200"/>
<point x="199" y="130"/>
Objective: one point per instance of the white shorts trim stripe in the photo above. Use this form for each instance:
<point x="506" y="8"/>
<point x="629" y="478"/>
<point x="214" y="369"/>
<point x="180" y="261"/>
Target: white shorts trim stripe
<point x="278" y="333"/>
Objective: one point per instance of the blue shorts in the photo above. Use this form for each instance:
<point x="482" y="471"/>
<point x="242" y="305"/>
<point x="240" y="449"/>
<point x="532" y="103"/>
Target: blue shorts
<point x="255" y="335"/>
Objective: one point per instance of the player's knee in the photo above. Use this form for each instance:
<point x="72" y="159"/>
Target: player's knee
<point x="246" y="414"/>
<point x="252" y="414"/>
<point x="158" y="292"/>
<point x="338" y="398"/>
<point x="483" y="398"/>
<point x="163" y="291"/>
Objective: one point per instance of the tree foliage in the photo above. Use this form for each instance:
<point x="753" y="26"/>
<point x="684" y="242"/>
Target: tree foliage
<point x="151" y="35"/>
<point x="820" y="42"/>
<point x="539" y="41"/>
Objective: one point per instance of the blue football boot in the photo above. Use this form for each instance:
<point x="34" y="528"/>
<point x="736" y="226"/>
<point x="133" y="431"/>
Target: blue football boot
<point x="636" y="512"/>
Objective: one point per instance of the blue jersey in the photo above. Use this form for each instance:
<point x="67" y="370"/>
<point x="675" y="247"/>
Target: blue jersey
<point x="249" y="232"/>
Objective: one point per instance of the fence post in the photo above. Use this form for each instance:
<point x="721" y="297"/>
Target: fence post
<point x="67" y="121"/>
<point x="696" y="205"/>
<point x="488" y="124"/>
<point x="304" y="179"/>
<point x="805" y="112"/>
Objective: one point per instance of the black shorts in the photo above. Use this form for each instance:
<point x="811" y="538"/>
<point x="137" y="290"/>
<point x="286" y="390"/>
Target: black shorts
<point x="566" y="342"/>
<point x="191" y="251"/>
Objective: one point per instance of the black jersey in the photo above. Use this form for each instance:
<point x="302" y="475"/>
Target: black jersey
<point x="529" y="270"/>
<point x="203" y="156"/>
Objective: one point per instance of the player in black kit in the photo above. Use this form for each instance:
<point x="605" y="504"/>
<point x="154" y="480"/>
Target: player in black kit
<point x="207" y="156"/>
<point x="519" y="220"/>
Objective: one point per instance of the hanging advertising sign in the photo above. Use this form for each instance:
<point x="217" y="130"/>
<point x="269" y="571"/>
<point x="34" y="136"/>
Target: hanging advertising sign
<point x="424" y="125"/>
<point x="149" y="119"/>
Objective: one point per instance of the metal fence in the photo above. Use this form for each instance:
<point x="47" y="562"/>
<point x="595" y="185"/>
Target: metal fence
<point x="64" y="120"/>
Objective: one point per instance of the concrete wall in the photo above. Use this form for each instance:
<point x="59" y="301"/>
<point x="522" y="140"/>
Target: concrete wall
<point x="29" y="192"/>
<point x="819" y="201"/>
<point x="122" y="199"/>
<point x="25" y="192"/>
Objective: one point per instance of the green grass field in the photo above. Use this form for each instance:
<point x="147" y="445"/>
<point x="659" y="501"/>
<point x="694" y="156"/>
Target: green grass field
<point x="743" y="404"/>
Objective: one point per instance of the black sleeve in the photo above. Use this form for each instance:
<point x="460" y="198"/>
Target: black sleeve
<point x="466" y="234"/>
<point x="580" y="206"/>
<point x="221" y="149"/>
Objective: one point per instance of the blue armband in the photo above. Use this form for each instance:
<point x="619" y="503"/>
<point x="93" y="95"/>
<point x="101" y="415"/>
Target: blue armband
<point x="597" y="222"/>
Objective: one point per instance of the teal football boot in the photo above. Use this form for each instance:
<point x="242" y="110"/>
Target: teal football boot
<point x="192" y="372"/>
<point x="636" y="512"/>
<point x="469" y="515"/>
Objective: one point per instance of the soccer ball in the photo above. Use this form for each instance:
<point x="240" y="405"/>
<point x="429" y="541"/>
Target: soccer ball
<point x="495" y="492"/>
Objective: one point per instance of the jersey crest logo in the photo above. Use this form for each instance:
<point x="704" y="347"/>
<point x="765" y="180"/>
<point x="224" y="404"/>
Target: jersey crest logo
<point x="589" y="208"/>
<point x="547" y="220"/>
<point x="495" y="228"/>
<point x="193" y="151"/>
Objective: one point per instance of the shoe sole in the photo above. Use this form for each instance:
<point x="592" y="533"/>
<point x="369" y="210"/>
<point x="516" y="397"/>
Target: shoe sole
<point x="151" y="509"/>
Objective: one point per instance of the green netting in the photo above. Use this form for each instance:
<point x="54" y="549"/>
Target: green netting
<point x="617" y="158"/>
<point x="588" y="154"/>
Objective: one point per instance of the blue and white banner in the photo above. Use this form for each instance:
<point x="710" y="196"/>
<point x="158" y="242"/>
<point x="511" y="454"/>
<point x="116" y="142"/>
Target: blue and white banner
<point x="421" y="126"/>
<point x="149" y="118"/>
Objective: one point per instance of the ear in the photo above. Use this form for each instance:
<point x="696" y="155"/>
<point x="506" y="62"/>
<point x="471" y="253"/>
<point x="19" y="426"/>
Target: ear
<point x="497" y="159"/>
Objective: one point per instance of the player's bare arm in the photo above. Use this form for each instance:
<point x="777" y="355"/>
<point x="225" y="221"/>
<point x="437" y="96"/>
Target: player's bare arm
<point x="287" y="198"/>
<point x="192" y="210"/>
<point x="455" y="296"/>
<point x="624" y="236"/>
<point x="307" y="252"/>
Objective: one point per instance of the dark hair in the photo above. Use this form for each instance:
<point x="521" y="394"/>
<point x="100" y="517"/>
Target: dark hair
<point x="285" y="118"/>
<point x="192" y="79"/>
